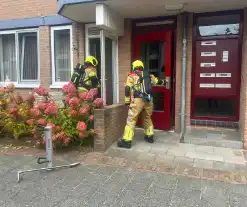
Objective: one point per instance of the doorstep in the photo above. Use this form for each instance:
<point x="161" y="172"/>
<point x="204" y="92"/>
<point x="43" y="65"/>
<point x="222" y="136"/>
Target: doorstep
<point x="167" y="150"/>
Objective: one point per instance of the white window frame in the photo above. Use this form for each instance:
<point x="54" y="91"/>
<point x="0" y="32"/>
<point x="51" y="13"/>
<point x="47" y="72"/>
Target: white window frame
<point x="23" y="83"/>
<point x="102" y="36"/>
<point x="56" y="84"/>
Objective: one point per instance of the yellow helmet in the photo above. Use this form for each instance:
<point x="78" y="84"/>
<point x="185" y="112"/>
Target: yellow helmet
<point x="92" y="60"/>
<point x="137" y="65"/>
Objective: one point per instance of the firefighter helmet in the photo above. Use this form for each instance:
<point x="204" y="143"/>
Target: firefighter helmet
<point x="137" y="65"/>
<point x="92" y="60"/>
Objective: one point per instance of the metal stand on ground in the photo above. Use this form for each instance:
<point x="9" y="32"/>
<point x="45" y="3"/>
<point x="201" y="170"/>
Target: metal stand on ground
<point x="49" y="155"/>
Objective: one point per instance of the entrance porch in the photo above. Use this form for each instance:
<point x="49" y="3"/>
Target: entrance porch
<point x="205" y="75"/>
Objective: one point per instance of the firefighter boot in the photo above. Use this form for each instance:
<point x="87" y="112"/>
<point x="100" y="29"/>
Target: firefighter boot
<point x="149" y="139"/>
<point x="124" y="144"/>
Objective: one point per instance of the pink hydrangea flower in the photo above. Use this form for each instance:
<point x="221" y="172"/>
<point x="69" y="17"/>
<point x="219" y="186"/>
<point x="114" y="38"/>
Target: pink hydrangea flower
<point x="41" y="91"/>
<point x="42" y="106"/>
<point x="2" y="90"/>
<point x="10" y="87"/>
<point x="30" y="122"/>
<point x="83" y="96"/>
<point x="74" y="102"/>
<point x="51" y="109"/>
<point x="84" y="109"/>
<point x="98" y="103"/>
<point x="35" y="112"/>
<point x="90" y="97"/>
<point x="94" y="92"/>
<point x="57" y="128"/>
<point x="51" y="124"/>
<point x="60" y="135"/>
<point x="81" y="126"/>
<point x="74" y="113"/>
<point x="41" y="122"/>
<point x="66" y="140"/>
<point x="91" y="118"/>
<point x="82" y="135"/>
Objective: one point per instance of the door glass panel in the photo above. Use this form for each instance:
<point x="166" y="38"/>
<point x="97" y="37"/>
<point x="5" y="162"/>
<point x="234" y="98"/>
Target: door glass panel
<point x="94" y="50"/>
<point x="152" y="55"/>
<point x="218" y="25"/>
<point x="109" y="84"/>
<point x="158" y="99"/>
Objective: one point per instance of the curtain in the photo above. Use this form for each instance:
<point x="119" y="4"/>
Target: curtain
<point x="28" y="56"/>
<point x="7" y="58"/>
<point x="62" y="55"/>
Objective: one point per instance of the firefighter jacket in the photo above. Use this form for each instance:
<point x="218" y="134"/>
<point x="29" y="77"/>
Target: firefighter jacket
<point x="85" y="77"/>
<point x="139" y="85"/>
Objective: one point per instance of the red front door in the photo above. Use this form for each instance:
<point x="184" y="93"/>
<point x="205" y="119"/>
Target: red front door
<point x="154" y="49"/>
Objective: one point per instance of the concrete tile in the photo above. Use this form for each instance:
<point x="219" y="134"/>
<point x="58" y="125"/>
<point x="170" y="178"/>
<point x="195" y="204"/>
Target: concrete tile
<point x="187" y="147"/>
<point x="146" y="157"/>
<point x="183" y="161"/>
<point x="159" y="149"/>
<point x="207" y="149"/>
<point x="204" y="156"/>
<point x="206" y="164"/>
<point x="176" y="152"/>
<point x="164" y="159"/>
<point x="235" y="160"/>
<point x="223" y="166"/>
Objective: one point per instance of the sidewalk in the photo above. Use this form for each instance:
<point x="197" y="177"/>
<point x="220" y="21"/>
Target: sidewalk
<point x="98" y="186"/>
<point x="168" y="155"/>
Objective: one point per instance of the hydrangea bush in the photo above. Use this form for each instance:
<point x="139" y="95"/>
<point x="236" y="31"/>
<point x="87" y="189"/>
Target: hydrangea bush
<point x="71" y="124"/>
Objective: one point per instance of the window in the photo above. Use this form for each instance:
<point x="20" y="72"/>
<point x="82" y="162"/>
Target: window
<point x="19" y="54"/>
<point x="218" y="25"/>
<point x="104" y="46"/>
<point x="61" y="45"/>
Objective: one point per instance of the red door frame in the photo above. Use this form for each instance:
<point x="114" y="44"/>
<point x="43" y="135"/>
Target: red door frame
<point x="167" y="37"/>
<point x="196" y="38"/>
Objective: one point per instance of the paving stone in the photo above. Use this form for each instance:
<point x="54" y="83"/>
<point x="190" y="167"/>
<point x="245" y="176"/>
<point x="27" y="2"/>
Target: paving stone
<point x="146" y="157"/>
<point x="206" y="164"/>
<point x="204" y="156"/>
<point x="177" y="152"/>
<point x="223" y="166"/>
<point x="164" y="159"/>
<point x="183" y="161"/>
<point x="207" y="149"/>
<point x="235" y="160"/>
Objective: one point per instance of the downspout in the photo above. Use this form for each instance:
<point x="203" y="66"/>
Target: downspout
<point x="184" y="69"/>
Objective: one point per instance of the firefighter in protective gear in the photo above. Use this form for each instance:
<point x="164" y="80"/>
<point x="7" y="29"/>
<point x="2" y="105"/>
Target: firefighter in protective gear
<point x="85" y="76"/>
<point x="138" y="95"/>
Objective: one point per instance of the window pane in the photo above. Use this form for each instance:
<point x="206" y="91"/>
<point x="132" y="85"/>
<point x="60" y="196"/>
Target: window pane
<point x="215" y="107"/>
<point x="7" y="58"/>
<point x="108" y="71"/>
<point x="94" y="50"/>
<point x="28" y="56"/>
<point x="62" y="55"/>
<point x="218" y="25"/>
<point x="152" y="55"/>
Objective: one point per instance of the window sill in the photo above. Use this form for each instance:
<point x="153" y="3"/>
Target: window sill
<point x="24" y="85"/>
<point x="58" y="86"/>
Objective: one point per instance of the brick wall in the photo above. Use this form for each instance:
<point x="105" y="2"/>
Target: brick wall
<point x="18" y="9"/>
<point x="179" y="71"/>
<point x="109" y="124"/>
<point x="243" y="93"/>
<point x="124" y="51"/>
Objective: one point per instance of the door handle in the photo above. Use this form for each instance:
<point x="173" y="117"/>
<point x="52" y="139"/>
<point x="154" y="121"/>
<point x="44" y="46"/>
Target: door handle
<point x="168" y="82"/>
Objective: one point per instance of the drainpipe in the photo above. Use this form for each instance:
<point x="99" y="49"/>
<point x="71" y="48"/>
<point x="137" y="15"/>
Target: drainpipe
<point x="184" y="68"/>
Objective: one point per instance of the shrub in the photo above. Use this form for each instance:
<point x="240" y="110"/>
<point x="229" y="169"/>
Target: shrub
<point x="71" y="124"/>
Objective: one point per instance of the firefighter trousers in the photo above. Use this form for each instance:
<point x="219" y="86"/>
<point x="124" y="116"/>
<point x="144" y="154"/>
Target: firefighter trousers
<point x="136" y="107"/>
